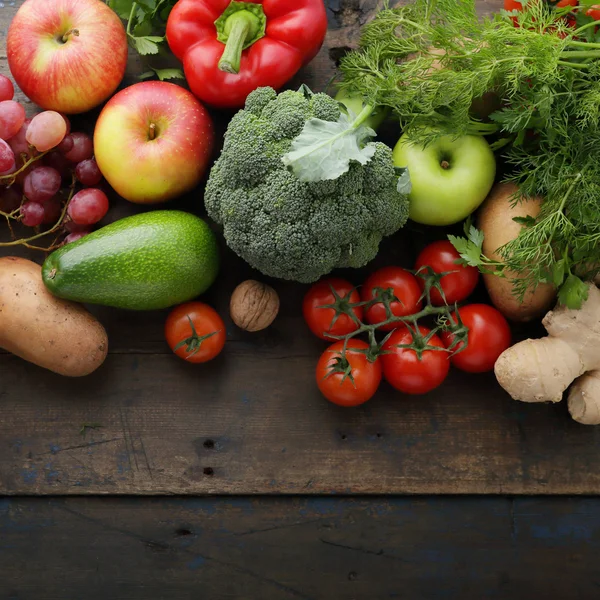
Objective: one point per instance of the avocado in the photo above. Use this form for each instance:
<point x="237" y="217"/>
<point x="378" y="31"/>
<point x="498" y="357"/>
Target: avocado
<point x="147" y="261"/>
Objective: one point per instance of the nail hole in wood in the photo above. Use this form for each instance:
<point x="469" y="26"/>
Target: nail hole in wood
<point x="209" y="471"/>
<point x="378" y="435"/>
<point x="209" y="444"/>
<point x="344" y="436"/>
<point x="182" y="532"/>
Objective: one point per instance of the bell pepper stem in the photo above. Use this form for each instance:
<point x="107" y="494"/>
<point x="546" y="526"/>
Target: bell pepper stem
<point x="242" y="26"/>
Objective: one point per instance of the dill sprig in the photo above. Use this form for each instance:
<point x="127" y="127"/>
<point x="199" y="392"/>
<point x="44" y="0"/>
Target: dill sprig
<point x="431" y="60"/>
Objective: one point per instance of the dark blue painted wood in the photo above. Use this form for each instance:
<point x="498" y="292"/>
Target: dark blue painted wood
<point x="307" y="548"/>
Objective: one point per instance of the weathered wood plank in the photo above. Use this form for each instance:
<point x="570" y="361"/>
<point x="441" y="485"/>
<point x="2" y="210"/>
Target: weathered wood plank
<point x="310" y="549"/>
<point x="237" y="428"/>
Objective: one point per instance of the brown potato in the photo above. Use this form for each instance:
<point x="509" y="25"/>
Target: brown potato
<point x="495" y="219"/>
<point x="50" y="332"/>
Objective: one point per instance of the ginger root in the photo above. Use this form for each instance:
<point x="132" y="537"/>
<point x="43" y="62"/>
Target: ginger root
<point x="584" y="399"/>
<point x="541" y="370"/>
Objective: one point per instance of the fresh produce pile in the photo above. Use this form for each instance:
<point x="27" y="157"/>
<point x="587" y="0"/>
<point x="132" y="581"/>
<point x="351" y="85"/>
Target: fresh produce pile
<point x="500" y="132"/>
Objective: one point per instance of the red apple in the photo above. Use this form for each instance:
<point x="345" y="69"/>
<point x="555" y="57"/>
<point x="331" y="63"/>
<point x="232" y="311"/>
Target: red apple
<point x="153" y="142"/>
<point x="67" y="55"/>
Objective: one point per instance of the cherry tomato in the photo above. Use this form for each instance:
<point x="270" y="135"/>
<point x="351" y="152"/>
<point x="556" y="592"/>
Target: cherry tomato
<point x="195" y="332"/>
<point x="458" y="285"/>
<point x="408" y="372"/>
<point x="593" y="11"/>
<point x="487" y="339"/>
<point x="322" y="321"/>
<point x="359" y="385"/>
<point x="405" y="288"/>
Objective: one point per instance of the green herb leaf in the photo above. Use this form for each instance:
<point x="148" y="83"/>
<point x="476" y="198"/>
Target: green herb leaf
<point x="165" y="74"/>
<point x="525" y="221"/>
<point x="147" y="45"/>
<point x="324" y="149"/>
<point x="148" y="6"/>
<point x="476" y="236"/>
<point x="121" y="7"/>
<point x="142" y="29"/>
<point x="573" y="292"/>
<point x="166" y="11"/>
<point x="559" y="270"/>
<point x="469" y="250"/>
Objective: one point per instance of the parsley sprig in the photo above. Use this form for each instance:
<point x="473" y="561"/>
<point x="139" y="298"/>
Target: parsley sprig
<point x="146" y="22"/>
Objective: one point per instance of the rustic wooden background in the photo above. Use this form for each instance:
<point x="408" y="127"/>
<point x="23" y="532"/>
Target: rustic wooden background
<point x="252" y="422"/>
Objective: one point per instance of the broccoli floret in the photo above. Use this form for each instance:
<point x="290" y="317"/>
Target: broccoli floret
<point x="288" y="228"/>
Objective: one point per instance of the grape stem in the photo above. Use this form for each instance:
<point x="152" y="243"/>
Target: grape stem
<point x="9" y="179"/>
<point x="55" y="227"/>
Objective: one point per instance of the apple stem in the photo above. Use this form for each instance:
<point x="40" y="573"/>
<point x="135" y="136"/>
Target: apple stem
<point x="67" y="36"/>
<point x="152" y="131"/>
<point x="445" y="164"/>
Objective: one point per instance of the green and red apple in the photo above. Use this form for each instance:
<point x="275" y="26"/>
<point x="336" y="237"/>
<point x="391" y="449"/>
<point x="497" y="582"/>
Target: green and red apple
<point x="153" y="142"/>
<point x="450" y="177"/>
<point x="67" y="55"/>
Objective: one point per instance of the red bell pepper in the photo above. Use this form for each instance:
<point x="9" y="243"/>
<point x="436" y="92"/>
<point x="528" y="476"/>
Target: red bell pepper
<point x="229" y="49"/>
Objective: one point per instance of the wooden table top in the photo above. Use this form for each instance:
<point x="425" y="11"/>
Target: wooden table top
<point x="253" y="422"/>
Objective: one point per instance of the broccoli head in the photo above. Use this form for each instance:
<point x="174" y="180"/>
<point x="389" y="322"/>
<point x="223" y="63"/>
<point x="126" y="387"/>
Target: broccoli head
<point x="291" y="229"/>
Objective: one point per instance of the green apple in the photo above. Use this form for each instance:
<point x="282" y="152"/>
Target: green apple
<point x="356" y="104"/>
<point x="450" y="178"/>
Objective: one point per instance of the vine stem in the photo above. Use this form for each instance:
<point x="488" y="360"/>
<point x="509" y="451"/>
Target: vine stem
<point x="370" y="330"/>
<point x="12" y="176"/>
<point x="55" y="227"/>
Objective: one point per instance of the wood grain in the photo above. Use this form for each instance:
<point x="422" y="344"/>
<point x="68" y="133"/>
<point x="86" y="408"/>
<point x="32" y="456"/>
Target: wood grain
<point x="299" y="549"/>
<point x="253" y="421"/>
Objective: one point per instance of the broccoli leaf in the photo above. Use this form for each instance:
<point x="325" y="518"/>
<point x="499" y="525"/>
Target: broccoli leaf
<point x="404" y="183"/>
<point x="324" y="149"/>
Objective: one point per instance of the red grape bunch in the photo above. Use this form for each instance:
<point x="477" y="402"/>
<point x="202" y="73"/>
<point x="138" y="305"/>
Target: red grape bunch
<point x="42" y="164"/>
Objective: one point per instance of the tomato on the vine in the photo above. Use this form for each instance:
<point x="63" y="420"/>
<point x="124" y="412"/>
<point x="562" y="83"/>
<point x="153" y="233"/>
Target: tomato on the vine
<point x="461" y="280"/>
<point x="418" y="370"/>
<point x="348" y="380"/>
<point x="195" y="332"/>
<point x="323" y="321"/>
<point x="404" y="287"/>
<point x="487" y="338"/>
